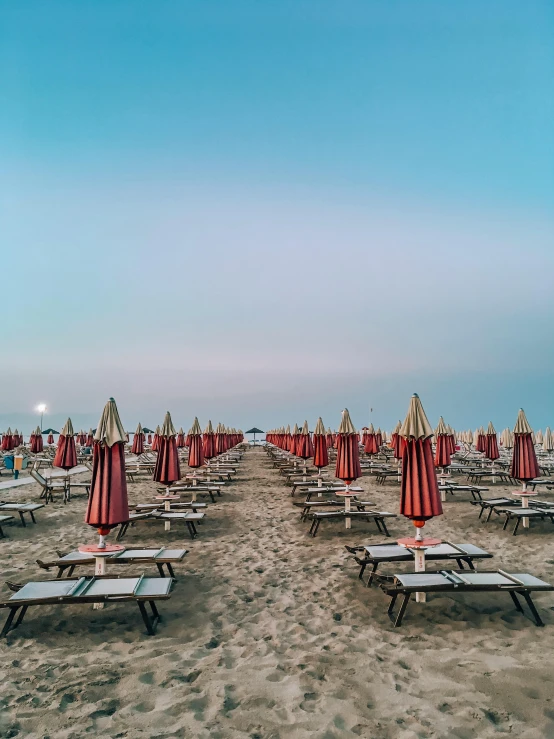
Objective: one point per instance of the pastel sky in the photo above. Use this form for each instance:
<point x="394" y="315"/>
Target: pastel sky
<point x="264" y="211"/>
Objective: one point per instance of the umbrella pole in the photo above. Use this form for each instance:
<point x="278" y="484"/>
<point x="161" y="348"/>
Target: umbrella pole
<point x="347" y="507"/>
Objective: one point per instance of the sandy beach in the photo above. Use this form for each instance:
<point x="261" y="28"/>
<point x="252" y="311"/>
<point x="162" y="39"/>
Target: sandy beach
<point x="269" y="633"/>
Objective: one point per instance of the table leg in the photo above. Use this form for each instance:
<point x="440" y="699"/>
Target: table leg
<point x="99" y="569"/>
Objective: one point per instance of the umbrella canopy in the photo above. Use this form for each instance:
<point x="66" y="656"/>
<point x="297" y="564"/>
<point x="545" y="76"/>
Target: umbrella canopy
<point x="138" y="441"/>
<point x="36" y="441"/>
<point x="507" y="439"/>
<point x="397" y="442"/>
<point x="304" y="446"/>
<point x="348" y="466"/>
<point x="50" y="431"/>
<point x="180" y="439"/>
<point x="196" y="450"/>
<point x="208" y="442"/>
<point x="167" y="464"/>
<point x="370" y="444"/>
<point x="419" y="497"/>
<point x="321" y="454"/>
<point x="491" y="443"/>
<point x="329" y="438"/>
<point x="66" y="453"/>
<point x="524" y="465"/>
<point x="146" y="430"/>
<point x="155" y="440"/>
<point x="443" y="445"/>
<point x="254" y="430"/>
<point x="295" y="433"/>
<point x="539" y="438"/>
<point x="8" y="441"/>
<point x="107" y="504"/>
<point x="548" y="441"/>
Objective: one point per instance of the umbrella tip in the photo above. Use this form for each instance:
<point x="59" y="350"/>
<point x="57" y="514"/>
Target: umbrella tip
<point x="415" y="395"/>
<point x="112" y="400"/>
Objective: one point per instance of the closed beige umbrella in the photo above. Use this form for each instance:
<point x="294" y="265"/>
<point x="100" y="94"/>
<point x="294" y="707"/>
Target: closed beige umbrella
<point x="548" y="441"/>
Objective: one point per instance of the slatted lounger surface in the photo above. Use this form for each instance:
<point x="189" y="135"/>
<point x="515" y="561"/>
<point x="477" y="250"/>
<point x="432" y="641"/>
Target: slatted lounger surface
<point x="451" y="581"/>
<point x="178" y="505"/>
<point x="19" y="483"/>
<point x="377" y="516"/>
<point x="189" y="519"/>
<point x="375" y="554"/>
<point x="140" y="590"/>
<point x="145" y="555"/>
<point x="22" y="509"/>
<point x="310" y="505"/>
<point x="4" y="519"/>
<point x="452" y="488"/>
<point x="200" y="489"/>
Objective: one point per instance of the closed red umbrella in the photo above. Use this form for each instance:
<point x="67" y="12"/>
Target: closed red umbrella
<point x="524" y="465"/>
<point x="348" y="466"/>
<point x="419" y="498"/>
<point x="167" y="464"/>
<point x="90" y="438"/>
<point x="294" y="439"/>
<point x="208" y="442"/>
<point x="50" y="439"/>
<point x="443" y="445"/>
<point x="37" y="444"/>
<point x="370" y="445"/>
<point x="150" y="440"/>
<point x="155" y="440"/>
<point x="321" y="454"/>
<point x="138" y="441"/>
<point x="491" y="443"/>
<point x="330" y="438"/>
<point x="66" y="453"/>
<point x="379" y="438"/>
<point x="107" y="504"/>
<point x="304" y="446"/>
<point x="181" y="439"/>
<point x="196" y="451"/>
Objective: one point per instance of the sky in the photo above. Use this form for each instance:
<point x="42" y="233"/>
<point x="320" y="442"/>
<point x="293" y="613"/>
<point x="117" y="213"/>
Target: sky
<point x="260" y="212"/>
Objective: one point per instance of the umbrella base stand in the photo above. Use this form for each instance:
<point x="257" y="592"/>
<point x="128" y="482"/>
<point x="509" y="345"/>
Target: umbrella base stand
<point x="347" y="494"/>
<point x="524" y="495"/>
<point x="419" y="547"/>
<point x="100" y="556"/>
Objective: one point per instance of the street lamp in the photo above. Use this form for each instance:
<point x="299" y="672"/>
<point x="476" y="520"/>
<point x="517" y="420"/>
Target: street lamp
<point x="41" y="408"/>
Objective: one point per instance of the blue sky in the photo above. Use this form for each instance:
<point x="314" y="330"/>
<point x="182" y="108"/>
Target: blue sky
<point x="270" y="210"/>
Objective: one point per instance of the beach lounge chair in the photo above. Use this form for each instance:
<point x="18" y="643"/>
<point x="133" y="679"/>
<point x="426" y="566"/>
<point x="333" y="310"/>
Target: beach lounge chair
<point x="22" y="509"/>
<point x="310" y="505"/>
<point x="66" y="563"/>
<point x="189" y="519"/>
<point x="50" y="486"/>
<point x="139" y="590"/>
<point x="454" y="582"/>
<point x="377" y="516"/>
<point x="375" y="554"/>
<point x="4" y="519"/>
<point x="518" y="513"/>
<point x="489" y="504"/>
<point x="179" y="505"/>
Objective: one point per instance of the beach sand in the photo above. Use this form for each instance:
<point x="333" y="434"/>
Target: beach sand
<point x="269" y="634"/>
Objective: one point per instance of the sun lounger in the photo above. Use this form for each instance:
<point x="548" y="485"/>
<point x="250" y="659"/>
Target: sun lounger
<point x="145" y="555"/>
<point x="453" y="487"/>
<point x="189" y="519"/>
<point x="329" y="490"/>
<point x="383" y="475"/>
<point x="139" y="590"/>
<point x="453" y="582"/>
<point x="310" y="505"/>
<point x="50" y="486"/>
<point x="19" y="483"/>
<point x="375" y="554"/>
<point x="4" y="519"/>
<point x="518" y="513"/>
<point x="200" y="489"/>
<point x="179" y="505"/>
<point x="489" y="504"/>
<point x="377" y="516"/>
<point x="22" y="509"/>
